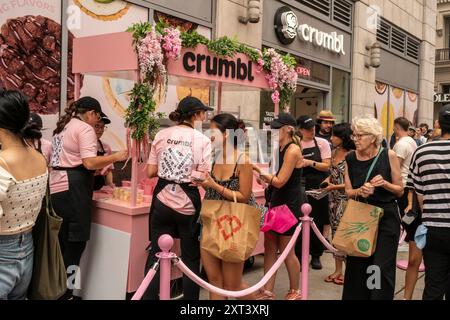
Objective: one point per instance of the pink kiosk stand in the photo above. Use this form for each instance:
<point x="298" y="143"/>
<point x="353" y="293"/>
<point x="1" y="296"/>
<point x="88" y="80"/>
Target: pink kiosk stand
<point x="114" y="261"/>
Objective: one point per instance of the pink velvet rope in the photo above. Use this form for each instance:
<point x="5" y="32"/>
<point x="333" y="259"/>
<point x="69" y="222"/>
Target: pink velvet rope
<point x="144" y="285"/>
<point x="238" y="294"/>
<point x="324" y="241"/>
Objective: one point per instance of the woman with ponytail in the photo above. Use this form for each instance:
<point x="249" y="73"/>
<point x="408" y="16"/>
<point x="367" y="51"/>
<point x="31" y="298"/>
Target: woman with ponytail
<point x="285" y="190"/>
<point x="179" y="155"/>
<point x="74" y="161"/>
<point x="23" y="181"/>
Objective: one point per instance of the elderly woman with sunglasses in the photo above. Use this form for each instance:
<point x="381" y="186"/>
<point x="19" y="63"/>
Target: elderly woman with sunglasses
<point x="373" y="278"/>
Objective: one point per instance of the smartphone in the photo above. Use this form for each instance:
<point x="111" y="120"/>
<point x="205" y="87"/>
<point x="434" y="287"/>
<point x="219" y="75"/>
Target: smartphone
<point x="409" y="217"/>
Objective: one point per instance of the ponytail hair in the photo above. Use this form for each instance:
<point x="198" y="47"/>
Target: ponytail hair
<point x="31" y="132"/>
<point x="70" y="112"/>
<point x="227" y="121"/>
<point x="180" y="117"/>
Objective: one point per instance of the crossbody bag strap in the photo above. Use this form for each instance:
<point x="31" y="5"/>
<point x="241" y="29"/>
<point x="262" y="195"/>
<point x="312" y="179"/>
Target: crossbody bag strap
<point x="372" y="166"/>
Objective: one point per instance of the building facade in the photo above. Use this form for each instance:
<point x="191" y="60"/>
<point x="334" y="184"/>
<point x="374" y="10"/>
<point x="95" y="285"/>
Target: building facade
<point x="442" y="84"/>
<point x="400" y="84"/>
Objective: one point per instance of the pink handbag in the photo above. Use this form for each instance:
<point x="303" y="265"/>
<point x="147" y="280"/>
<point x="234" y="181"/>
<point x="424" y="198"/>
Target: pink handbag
<point x="279" y="219"/>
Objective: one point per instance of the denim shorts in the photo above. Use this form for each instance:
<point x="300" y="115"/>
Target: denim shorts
<point x="16" y="265"/>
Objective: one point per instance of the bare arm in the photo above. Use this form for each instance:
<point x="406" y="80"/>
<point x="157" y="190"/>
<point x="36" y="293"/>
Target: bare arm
<point x="323" y="166"/>
<point x="152" y="170"/>
<point x="109" y="179"/>
<point x="291" y="158"/>
<point x="100" y="162"/>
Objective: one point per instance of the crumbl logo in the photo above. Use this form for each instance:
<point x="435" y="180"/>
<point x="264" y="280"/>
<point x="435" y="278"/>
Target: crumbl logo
<point x="287" y="28"/>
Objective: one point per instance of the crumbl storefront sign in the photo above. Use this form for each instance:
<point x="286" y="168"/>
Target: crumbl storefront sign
<point x="287" y="28"/>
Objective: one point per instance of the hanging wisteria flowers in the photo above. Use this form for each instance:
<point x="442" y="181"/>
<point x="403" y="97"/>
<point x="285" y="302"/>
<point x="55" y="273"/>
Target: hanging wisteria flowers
<point x="281" y="75"/>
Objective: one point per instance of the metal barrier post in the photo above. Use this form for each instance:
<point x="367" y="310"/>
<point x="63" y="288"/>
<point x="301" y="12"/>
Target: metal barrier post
<point x="306" y="228"/>
<point x="165" y="242"/>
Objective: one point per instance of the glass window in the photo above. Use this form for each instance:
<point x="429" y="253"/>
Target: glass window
<point x="340" y="95"/>
<point x="313" y="71"/>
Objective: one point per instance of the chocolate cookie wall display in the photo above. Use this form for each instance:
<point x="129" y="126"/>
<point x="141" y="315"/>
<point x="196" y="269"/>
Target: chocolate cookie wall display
<point x="30" y="61"/>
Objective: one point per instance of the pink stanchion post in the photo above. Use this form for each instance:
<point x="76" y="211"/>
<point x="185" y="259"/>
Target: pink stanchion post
<point x="306" y="228"/>
<point x="165" y="242"/>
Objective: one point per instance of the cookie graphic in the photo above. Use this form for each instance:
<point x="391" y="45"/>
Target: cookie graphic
<point x="30" y="61"/>
<point x="105" y="10"/>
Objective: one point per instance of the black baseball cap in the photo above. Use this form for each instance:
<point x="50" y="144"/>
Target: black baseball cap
<point x="444" y="115"/>
<point x="105" y="120"/>
<point x="90" y="103"/>
<point x="283" y="119"/>
<point x="192" y="104"/>
<point x="35" y="120"/>
<point x="306" y="122"/>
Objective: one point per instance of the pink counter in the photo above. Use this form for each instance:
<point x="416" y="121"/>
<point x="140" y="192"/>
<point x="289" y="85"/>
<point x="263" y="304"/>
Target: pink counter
<point x="123" y="235"/>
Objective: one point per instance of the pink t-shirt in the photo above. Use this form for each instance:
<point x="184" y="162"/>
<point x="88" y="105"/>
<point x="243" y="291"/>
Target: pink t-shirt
<point x="324" y="146"/>
<point x="76" y="142"/>
<point x="177" y="151"/>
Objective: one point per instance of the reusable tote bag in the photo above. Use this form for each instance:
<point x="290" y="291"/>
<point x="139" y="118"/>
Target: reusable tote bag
<point x="230" y="229"/>
<point x="357" y="232"/>
<point x="49" y="281"/>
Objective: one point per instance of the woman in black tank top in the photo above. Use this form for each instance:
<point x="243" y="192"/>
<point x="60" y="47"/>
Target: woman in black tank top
<point x="383" y="187"/>
<point x="286" y="191"/>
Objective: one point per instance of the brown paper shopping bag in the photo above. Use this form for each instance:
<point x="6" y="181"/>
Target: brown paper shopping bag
<point x="358" y="229"/>
<point x="230" y="229"/>
<point x="357" y="232"/>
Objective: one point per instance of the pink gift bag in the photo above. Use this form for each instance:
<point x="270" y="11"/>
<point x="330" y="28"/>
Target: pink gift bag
<point x="279" y="219"/>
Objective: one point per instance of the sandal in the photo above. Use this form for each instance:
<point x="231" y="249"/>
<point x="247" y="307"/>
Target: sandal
<point x="339" y="280"/>
<point x="330" y="278"/>
<point x="265" y="295"/>
<point x="293" y="295"/>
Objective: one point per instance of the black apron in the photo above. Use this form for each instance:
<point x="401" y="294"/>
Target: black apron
<point x="100" y="180"/>
<point x="76" y="213"/>
<point x="192" y="192"/>
<point x="311" y="179"/>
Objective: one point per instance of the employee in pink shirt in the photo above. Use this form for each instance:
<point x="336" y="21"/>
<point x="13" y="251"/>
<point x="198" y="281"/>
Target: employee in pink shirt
<point x="74" y="161"/>
<point x="177" y="154"/>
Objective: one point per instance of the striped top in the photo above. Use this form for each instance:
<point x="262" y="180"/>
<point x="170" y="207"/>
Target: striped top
<point x="430" y="176"/>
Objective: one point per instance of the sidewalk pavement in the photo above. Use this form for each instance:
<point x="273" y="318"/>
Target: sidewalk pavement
<point x="318" y="288"/>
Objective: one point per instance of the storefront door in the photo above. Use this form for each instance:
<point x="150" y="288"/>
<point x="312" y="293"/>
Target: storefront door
<point x="308" y="101"/>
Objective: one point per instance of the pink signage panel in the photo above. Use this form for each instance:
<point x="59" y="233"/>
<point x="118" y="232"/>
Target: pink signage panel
<point x="199" y="63"/>
<point x="104" y="53"/>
